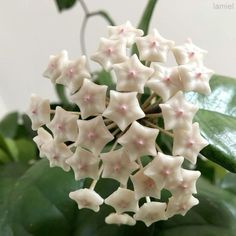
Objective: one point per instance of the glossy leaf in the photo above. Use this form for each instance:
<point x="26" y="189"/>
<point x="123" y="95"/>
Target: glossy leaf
<point x="222" y="98"/>
<point x="38" y="203"/>
<point x="8" y="125"/>
<point x="65" y="4"/>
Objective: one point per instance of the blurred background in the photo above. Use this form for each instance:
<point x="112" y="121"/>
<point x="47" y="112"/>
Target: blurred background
<point x="31" y="30"/>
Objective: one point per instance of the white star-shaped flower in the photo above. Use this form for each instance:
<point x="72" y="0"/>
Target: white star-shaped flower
<point x="165" y="81"/>
<point x="196" y="78"/>
<point x="125" y="32"/>
<point x="56" y="65"/>
<point x="185" y="186"/>
<point x="177" y="112"/>
<point x="120" y="219"/>
<point x="42" y="138"/>
<point x="188" y="53"/>
<point x="154" y="47"/>
<point x="139" y="141"/>
<point x="123" y="109"/>
<point x="132" y="75"/>
<point x="164" y="168"/>
<point x="39" y="111"/>
<point x="144" y="186"/>
<point x="57" y="154"/>
<point x="73" y="74"/>
<point x="84" y="164"/>
<point x="188" y="143"/>
<point x="93" y="134"/>
<point x="117" y="165"/>
<point x="151" y="212"/>
<point x="64" y="125"/>
<point x="123" y="200"/>
<point x="87" y="198"/>
<point x="91" y="99"/>
<point x="110" y="52"/>
<point x="180" y="205"/>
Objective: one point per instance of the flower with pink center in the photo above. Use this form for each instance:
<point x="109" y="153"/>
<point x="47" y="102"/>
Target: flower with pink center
<point x="132" y="75"/>
<point x="122" y="200"/>
<point x="39" y="111"/>
<point x="180" y="205"/>
<point x="154" y="47"/>
<point x="117" y="165"/>
<point x="73" y="74"/>
<point x="177" y="112"/>
<point x="91" y="99"/>
<point x="196" y="78"/>
<point x="110" y="52"/>
<point x="125" y="32"/>
<point x="139" y="140"/>
<point x="144" y="185"/>
<point x="151" y="212"/>
<point x="57" y="154"/>
<point x="87" y="198"/>
<point x="188" y="143"/>
<point x="185" y="186"/>
<point x="123" y="109"/>
<point x="56" y="65"/>
<point x="93" y="134"/>
<point x="164" y="169"/>
<point x="188" y="52"/>
<point x="64" y="125"/>
<point x="84" y="164"/>
<point x="165" y="81"/>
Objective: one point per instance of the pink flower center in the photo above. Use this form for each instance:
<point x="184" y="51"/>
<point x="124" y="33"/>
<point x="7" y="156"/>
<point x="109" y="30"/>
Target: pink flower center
<point x="123" y="108"/>
<point x="191" y="54"/>
<point x="117" y="167"/>
<point x="132" y="74"/>
<point x="149" y="183"/>
<point x="198" y="75"/>
<point x="92" y="136"/>
<point x="61" y="127"/>
<point x="70" y="72"/>
<point x="109" y="51"/>
<point x="87" y="98"/>
<point x="179" y="113"/>
<point x="34" y="111"/>
<point x="123" y="204"/>
<point x="190" y="143"/>
<point x="167" y="80"/>
<point x="121" y="31"/>
<point x="165" y="172"/>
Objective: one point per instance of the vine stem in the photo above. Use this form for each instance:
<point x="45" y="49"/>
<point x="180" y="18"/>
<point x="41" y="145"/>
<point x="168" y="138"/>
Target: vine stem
<point x="148" y="100"/>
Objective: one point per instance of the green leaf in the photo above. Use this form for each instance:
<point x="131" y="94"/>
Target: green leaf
<point x="26" y="150"/>
<point x="65" y="4"/>
<point x="222" y="98"/>
<point x="4" y="158"/>
<point x="229" y="183"/>
<point x="38" y="203"/>
<point x="8" y="125"/>
<point x="220" y="131"/>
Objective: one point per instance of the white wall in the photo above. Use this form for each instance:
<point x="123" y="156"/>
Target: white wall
<point x="30" y="30"/>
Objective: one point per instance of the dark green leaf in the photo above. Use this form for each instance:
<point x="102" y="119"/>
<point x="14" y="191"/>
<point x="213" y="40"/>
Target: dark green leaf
<point x="26" y="150"/>
<point x="4" y="158"/>
<point x="220" y="131"/>
<point x="65" y="4"/>
<point x="4" y="146"/>
<point x="8" y="125"/>
<point x="222" y="98"/>
<point x="38" y="203"/>
<point x="229" y="183"/>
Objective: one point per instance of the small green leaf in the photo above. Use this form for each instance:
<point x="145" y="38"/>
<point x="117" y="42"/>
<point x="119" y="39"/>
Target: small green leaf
<point x="38" y="203"/>
<point x="65" y="4"/>
<point x="8" y="125"/>
<point x="4" y="158"/>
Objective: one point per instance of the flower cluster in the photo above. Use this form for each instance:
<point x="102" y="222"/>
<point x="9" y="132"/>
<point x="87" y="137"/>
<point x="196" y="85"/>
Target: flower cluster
<point x="114" y="130"/>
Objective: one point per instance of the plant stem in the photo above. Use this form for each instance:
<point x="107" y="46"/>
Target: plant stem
<point x="148" y="100"/>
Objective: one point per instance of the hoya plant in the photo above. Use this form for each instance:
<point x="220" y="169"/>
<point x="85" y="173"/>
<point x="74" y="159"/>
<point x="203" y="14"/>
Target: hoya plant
<point x="136" y="147"/>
